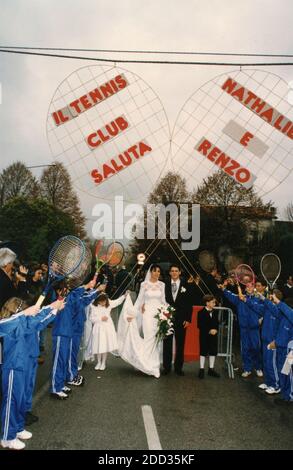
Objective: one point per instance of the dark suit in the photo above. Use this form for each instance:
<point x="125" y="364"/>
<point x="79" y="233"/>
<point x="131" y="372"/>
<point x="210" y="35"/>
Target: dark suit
<point x="8" y="289"/>
<point x="206" y="321"/>
<point x="183" y="307"/>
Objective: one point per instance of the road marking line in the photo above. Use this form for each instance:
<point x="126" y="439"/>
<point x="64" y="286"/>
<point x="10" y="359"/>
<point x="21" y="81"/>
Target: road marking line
<point x="150" y="428"/>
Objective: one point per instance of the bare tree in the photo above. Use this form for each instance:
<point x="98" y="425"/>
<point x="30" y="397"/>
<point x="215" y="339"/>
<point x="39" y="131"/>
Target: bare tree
<point x="231" y="214"/>
<point x="56" y="187"/>
<point x="17" y="180"/>
<point x="221" y="191"/>
<point x="171" y="188"/>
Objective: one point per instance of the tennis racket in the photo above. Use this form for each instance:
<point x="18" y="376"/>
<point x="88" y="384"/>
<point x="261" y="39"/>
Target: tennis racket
<point x="270" y="266"/>
<point x="82" y="272"/>
<point x="111" y="254"/>
<point x="207" y="261"/>
<point x="244" y="274"/>
<point x="231" y="263"/>
<point x="65" y="258"/>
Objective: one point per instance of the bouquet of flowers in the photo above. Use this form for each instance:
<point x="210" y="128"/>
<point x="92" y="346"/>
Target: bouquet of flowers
<point x="165" y="318"/>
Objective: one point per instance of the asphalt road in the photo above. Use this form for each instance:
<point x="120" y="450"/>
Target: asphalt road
<point x="106" y="413"/>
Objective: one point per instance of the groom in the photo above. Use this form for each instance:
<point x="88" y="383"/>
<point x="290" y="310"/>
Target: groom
<point x="178" y="295"/>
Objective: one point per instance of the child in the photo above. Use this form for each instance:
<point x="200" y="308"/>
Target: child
<point x="270" y="325"/>
<point x="15" y="327"/>
<point x="62" y="334"/>
<point x="248" y="320"/>
<point x="84" y="296"/>
<point x="104" y="337"/>
<point x="283" y="337"/>
<point x="208" y="325"/>
<point x="35" y="326"/>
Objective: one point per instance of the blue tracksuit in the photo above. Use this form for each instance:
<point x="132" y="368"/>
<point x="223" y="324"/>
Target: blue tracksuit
<point x="16" y="359"/>
<point x="36" y="324"/>
<point x="270" y="325"/>
<point x="283" y="337"/>
<point x="62" y="336"/>
<point x="82" y="299"/>
<point x="13" y="376"/>
<point x="248" y="321"/>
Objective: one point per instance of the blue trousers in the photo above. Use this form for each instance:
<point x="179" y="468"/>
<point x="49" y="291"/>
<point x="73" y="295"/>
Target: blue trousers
<point x="270" y="369"/>
<point x="72" y="370"/>
<point x="286" y="381"/>
<point x="30" y="381"/>
<point x="250" y="349"/>
<point x="13" y="403"/>
<point x="61" y="345"/>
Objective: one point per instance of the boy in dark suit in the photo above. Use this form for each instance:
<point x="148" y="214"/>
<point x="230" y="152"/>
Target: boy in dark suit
<point x="178" y="295"/>
<point x="208" y="325"/>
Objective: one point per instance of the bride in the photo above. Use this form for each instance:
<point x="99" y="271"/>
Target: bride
<point x="142" y="353"/>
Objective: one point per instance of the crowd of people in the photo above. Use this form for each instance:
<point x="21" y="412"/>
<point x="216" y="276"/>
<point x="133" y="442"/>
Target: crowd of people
<point x="264" y="319"/>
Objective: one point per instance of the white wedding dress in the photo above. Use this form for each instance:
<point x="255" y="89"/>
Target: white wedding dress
<point x="142" y="353"/>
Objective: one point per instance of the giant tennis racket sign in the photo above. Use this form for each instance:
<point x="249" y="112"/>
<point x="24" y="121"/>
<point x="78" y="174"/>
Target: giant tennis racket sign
<point x="111" y="131"/>
<point x="240" y="123"/>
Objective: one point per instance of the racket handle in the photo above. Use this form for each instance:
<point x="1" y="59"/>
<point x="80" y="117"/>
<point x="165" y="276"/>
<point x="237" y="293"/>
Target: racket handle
<point x="239" y="290"/>
<point x="40" y="300"/>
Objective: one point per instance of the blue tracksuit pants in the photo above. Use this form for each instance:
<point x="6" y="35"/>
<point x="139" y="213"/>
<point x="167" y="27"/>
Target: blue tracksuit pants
<point x="250" y="349"/>
<point x="13" y="403"/>
<point x="61" y="346"/>
<point x="270" y="369"/>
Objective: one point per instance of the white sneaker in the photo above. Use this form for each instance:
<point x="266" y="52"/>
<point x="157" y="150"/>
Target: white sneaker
<point x="77" y="381"/>
<point x="259" y="373"/>
<point x="14" y="444"/>
<point x="98" y="366"/>
<point x="245" y="374"/>
<point x="263" y="386"/>
<point x="103" y="367"/>
<point x="24" y="435"/>
<point x="59" y="395"/>
<point x="272" y="390"/>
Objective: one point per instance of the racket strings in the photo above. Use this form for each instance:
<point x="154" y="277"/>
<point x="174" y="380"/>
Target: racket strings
<point x="244" y="274"/>
<point x="82" y="272"/>
<point x="207" y="261"/>
<point x="270" y="267"/>
<point x="115" y="254"/>
<point x="66" y="256"/>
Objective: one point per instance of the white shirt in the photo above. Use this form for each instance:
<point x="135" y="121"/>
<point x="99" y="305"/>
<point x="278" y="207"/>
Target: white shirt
<point x="175" y="292"/>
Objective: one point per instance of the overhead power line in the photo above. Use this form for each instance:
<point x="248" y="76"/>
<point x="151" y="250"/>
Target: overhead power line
<point x="120" y="51"/>
<point x="140" y="61"/>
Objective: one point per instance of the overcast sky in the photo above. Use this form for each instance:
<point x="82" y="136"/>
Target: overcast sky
<point x="28" y="83"/>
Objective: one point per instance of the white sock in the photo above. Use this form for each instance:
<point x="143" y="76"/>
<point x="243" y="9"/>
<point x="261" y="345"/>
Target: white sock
<point x="99" y="358"/>
<point x="202" y="361"/>
<point x="212" y="361"/>
<point x="104" y="358"/>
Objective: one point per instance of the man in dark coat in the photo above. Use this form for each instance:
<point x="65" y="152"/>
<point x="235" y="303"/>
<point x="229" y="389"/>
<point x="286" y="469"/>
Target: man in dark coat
<point x="178" y="295"/>
<point x="11" y="286"/>
<point x="288" y="288"/>
<point x="208" y="325"/>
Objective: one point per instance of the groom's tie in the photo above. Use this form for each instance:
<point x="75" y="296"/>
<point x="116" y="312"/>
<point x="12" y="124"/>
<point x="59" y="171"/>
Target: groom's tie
<point x="174" y="289"/>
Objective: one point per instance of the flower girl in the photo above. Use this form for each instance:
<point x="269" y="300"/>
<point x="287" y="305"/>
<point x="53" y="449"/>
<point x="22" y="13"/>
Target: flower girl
<point x="104" y="337"/>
